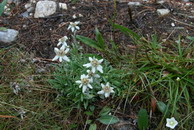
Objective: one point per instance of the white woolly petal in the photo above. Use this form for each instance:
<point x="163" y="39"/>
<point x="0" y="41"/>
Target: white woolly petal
<point x="93" y="69"/>
<point x="87" y="65"/>
<point x="97" y="76"/>
<point x="83" y="76"/>
<point x="69" y="27"/>
<point x="59" y="43"/>
<point x="112" y="91"/>
<point x="66" y="58"/>
<point x="102" y="85"/>
<point x="107" y="84"/>
<point x="67" y="50"/>
<point x="60" y="59"/>
<point x="72" y="29"/>
<point x="77" y="22"/>
<point x="100" y="92"/>
<point x="55" y="58"/>
<point x="90" y="86"/>
<point x="100" y="61"/>
<point x="78" y="81"/>
<point x="56" y="50"/>
<point x="107" y="95"/>
<point x="88" y="71"/>
<point x="90" y="59"/>
<point x="84" y="88"/>
<point x="77" y="27"/>
<point x="99" y="68"/>
<point x="80" y="85"/>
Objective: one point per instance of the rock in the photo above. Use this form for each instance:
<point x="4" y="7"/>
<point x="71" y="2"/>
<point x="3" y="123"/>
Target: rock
<point x="163" y="12"/>
<point x="160" y="1"/>
<point x="45" y="8"/>
<point x="8" y="35"/>
<point x="63" y="6"/>
<point x="25" y="14"/>
<point x="123" y="125"/>
<point x="134" y="3"/>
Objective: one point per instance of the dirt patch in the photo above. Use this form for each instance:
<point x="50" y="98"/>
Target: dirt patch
<point x="40" y="36"/>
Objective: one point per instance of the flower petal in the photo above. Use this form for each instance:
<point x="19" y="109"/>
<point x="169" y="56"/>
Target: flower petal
<point x="84" y="88"/>
<point x="60" y="59"/>
<point x="66" y="58"/>
<point x="56" y="50"/>
<point x="55" y="58"/>
<point x="99" y="68"/>
<point x="100" y="61"/>
<point x="87" y="65"/>
<point x="90" y="59"/>
<point x="100" y="92"/>
<point x="107" y="95"/>
<point x="90" y="86"/>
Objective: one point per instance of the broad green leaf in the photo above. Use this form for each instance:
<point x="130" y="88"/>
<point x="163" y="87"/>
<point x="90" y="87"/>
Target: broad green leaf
<point x="2" y="5"/>
<point x="105" y="111"/>
<point x="89" y="42"/>
<point x="161" y="106"/>
<point x="3" y="29"/>
<point x="108" y="119"/>
<point x="126" y="31"/>
<point x="142" y="119"/>
<point x="92" y="127"/>
<point x="99" y="39"/>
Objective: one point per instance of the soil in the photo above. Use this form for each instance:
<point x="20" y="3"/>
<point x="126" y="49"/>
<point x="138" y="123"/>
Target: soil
<point x="40" y="36"/>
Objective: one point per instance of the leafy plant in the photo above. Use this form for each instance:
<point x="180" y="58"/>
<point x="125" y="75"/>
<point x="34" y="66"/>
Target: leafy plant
<point x="2" y="5"/>
<point x="142" y="119"/>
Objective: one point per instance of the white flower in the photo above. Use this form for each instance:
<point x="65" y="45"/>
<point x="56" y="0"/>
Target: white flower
<point x="178" y="79"/>
<point x="84" y="82"/>
<point x="106" y="90"/>
<point x="92" y="75"/>
<point x="171" y="123"/>
<point x="61" y="54"/>
<point x="21" y="112"/>
<point x="62" y="41"/>
<point x="94" y="64"/>
<point x="16" y="88"/>
<point x="73" y="26"/>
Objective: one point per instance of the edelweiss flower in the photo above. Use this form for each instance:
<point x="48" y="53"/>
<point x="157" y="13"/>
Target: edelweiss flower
<point x="84" y="82"/>
<point x="62" y="41"/>
<point x="106" y="90"/>
<point x="61" y="54"/>
<point x="92" y="75"/>
<point x="73" y="26"/>
<point x="94" y="64"/>
<point x="171" y="123"/>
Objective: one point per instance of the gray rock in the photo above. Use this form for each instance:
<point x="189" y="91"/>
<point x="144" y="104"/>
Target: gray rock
<point x="8" y="36"/>
<point x="45" y="8"/>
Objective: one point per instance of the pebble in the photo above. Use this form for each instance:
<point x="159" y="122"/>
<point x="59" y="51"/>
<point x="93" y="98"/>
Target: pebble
<point x="163" y="12"/>
<point x="8" y="36"/>
<point x="172" y="24"/>
<point x="134" y="3"/>
<point x="63" y="6"/>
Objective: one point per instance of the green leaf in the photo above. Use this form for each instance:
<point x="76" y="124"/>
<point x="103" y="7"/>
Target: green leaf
<point x="190" y="38"/>
<point x="99" y="39"/>
<point x="127" y="31"/>
<point x="161" y="106"/>
<point x="92" y="127"/>
<point x="3" y="29"/>
<point x="105" y="111"/>
<point x="2" y="5"/>
<point x="108" y="119"/>
<point x="142" y="119"/>
<point x="89" y="42"/>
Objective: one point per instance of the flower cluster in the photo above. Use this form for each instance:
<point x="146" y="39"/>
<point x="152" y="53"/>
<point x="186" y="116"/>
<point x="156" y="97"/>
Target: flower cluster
<point x="61" y="53"/>
<point x="86" y="80"/>
<point x="171" y="123"/>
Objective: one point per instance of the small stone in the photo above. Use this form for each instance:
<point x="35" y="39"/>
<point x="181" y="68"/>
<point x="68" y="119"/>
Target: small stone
<point x="28" y="5"/>
<point x="172" y="24"/>
<point x="8" y="36"/>
<point x="45" y="8"/>
<point x="163" y="12"/>
<point x="73" y="7"/>
<point x="160" y="1"/>
<point x="80" y="15"/>
<point x="25" y="14"/>
<point x="63" y="6"/>
<point x="74" y="16"/>
<point x="134" y="3"/>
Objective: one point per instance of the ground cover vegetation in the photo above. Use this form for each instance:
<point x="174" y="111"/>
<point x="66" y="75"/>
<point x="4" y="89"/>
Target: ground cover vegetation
<point x="149" y="83"/>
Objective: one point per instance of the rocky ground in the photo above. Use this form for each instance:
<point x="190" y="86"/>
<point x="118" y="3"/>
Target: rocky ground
<point x="39" y="34"/>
